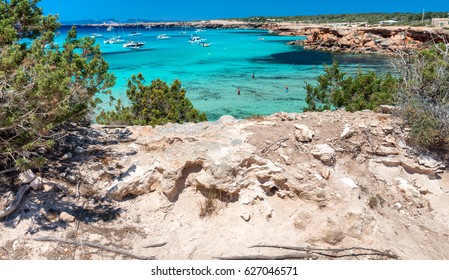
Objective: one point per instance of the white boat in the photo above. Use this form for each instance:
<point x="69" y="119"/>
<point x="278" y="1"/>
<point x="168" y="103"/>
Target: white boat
<point x="205" y="44"/>
<point x="147" y="27"/>
<point x="133" y="45"/>
<point x="96" y="35"/>
<point x="114" y="40"/>
<point x="110" y="28"/>
<point x="261" y="38"/>
<point x="163" y="37"/>
<point x="196" y="40"/>
<point x="135" y="34"/>
<point x="199" y="30"/>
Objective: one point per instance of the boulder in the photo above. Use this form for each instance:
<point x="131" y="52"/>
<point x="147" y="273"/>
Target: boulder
<point x="324" y="153"/>
<point x="303" y="133"/>
<point x="347" y="132"/>
<point x="386" y="151"/>
<point x="27" y="177"/>
<point x="66" y="217"/>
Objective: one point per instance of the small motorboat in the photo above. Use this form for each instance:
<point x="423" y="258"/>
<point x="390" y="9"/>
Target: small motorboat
<point x="163" y="37"/>
<point x="196" y="40"/>
<point x="135" y="34"/>
<point x="114" y="40"/>
<point x="133" y="45"/>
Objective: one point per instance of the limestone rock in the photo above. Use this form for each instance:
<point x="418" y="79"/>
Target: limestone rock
<point x="79" y="150"/>
<point x="135" y="181"/>
<point x="303" y="133"/>
<point x="349" y="182"/>
<point x="398" y="205"/>
<point x="66" y="217"/>
<point x="431" y="163"/>
<point x="386" y="151"/>
<point x="387" y="109"/>
<point x="26" y="177"/>
<point x="347" y="132"/>
<point x="67" y="156"/>
<point x="324" y="153"/>
<point x="387" y="129"/>
<point x="267" y="123"/>
<point x="409" y="192"/>
<point x="36" y="183"/>
<point x="333" y="233"/>
<point x="325" y="173"/>
<point x="284" y="156"/>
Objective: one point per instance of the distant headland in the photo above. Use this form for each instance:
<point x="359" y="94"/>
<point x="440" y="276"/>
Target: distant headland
<point x="383" y="37"/>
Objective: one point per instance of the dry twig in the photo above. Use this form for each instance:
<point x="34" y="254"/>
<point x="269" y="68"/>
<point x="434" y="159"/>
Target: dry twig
<point x="155" y="245"/>
<point x="335" y="253"/>
<point x="297" y="256"/>
<point x="15" y="203"/>
<point x="278" y="142"/>
<point x="93" y="245"/>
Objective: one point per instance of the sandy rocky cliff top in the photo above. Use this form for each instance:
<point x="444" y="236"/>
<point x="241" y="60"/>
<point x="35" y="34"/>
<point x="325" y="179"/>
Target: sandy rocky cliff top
<point x="331" y="180"/>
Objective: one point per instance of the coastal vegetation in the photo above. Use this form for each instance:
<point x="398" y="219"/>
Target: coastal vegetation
<point x="336" y="89"/>
<point x="45" y="86"/>
<point x="42" y="85"/>
<point x="370" y="18"/>
<point x="420" y="92"/>
<point x="156" y="104"/>
<point x="423" y="95"/>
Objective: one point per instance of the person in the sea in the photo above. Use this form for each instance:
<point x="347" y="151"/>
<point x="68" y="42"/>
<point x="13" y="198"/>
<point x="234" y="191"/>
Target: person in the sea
<point x="238" y="91"/>
<point x="253" y="76"/>
<point x="286" y="89"/>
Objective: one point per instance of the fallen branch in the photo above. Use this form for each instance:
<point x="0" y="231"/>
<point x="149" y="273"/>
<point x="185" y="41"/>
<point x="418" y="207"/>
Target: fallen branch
<point x="15" y="203"/>
<point x="335" y="253"/>
<point x="298" y="256"/>
<point x="155" y="245"/>
<point x="278" y="142"/>
<point x="15" y="169"/>
<point x="93" y="245"/>
<point x="112" y="126"/>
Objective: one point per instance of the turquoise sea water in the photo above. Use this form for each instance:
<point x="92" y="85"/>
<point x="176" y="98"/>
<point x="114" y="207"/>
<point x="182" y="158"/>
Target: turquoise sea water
<point x="212" y="75"/>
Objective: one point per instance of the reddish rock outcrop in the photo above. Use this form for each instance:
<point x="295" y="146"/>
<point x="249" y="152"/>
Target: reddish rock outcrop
<point x="387" y="40"/>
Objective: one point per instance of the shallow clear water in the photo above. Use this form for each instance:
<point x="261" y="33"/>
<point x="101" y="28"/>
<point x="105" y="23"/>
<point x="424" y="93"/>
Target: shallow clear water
<point x="211" y="75"/>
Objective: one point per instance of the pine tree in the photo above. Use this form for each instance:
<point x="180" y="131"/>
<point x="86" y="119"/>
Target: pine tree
<point x="42" y="85"/>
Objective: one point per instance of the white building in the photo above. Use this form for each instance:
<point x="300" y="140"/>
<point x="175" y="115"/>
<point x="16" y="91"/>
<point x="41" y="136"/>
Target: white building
<point x="388" y="22"/>
<point x="440" y="22"/>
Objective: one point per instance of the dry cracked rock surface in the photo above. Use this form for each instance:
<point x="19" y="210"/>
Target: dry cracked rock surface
<point x="331" y="180"/>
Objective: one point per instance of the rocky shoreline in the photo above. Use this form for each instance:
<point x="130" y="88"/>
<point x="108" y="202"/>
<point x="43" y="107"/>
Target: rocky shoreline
<point x="329" y="180"/>
<point x="380" y="40"/>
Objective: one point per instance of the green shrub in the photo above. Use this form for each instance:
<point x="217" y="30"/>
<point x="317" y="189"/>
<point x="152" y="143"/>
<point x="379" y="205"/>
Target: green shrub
<point x="42" y="86"/>
<point x="423" y="95"/>
<point x="336" y="89"/>
<point x="156" y="104"/>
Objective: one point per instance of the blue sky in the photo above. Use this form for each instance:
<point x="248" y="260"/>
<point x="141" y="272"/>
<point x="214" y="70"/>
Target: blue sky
<point x="70" y="10"/>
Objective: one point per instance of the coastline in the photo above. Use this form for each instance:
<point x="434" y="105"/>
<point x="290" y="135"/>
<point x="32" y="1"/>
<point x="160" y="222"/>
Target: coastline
<point x="325" y="37"/>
